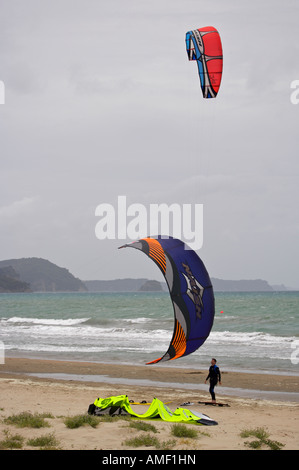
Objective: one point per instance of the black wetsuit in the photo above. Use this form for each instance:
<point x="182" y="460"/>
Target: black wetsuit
<point x="214" y="376"/>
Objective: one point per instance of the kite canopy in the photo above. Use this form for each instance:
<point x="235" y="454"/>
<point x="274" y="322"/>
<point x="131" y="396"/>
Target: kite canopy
<point x="120" y="405"/>
<point x="204" y="46"/>
<point x="190" y="290"/>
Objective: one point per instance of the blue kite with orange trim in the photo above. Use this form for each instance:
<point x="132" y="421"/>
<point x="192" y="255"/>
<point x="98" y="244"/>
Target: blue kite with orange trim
<point x="190" y="289"/>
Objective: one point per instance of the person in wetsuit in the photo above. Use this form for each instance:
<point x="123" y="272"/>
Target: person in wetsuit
<point x="214" y="376"/>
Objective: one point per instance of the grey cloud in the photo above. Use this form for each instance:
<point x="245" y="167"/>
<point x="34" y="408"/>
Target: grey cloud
<point x="102" y="101"/>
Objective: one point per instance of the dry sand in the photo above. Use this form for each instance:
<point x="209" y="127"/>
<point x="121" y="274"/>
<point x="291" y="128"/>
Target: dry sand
<point x="20" y="391"/>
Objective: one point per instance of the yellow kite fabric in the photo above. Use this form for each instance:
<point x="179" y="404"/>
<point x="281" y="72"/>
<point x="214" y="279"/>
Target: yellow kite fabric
<point x="119" y="405"/>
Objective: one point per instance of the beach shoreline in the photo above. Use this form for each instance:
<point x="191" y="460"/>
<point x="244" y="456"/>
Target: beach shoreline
<point x="66" y="388"/>
<point x="261" y="381"/>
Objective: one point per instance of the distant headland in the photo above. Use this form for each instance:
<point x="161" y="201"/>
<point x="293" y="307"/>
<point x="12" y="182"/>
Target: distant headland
<point x="40" y="275"/>
<point x="37" y="275"/>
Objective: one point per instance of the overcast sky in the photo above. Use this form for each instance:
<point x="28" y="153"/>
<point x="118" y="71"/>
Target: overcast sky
<point x="101" y="101"/>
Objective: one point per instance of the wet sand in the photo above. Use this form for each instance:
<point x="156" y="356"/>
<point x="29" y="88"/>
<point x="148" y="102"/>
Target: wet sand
<point x="36" y="385"/>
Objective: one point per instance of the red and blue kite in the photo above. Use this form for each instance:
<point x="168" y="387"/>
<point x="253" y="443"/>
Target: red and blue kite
<point x="204" y="46"/>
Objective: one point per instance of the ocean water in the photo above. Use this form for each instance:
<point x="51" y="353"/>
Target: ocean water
<point x="251" y="331"/>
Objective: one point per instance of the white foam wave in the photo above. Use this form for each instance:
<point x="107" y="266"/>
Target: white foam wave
<point x="46" y="321"/>
<point x="77" y="327"/>
<point x="254" y="337"/>
<point x="137" y="320"/>
<point x="57" y="348"/>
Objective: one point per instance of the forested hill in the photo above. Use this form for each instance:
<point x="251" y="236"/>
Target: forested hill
<point x="10" y="281"/>
<point x="37" y="275"/>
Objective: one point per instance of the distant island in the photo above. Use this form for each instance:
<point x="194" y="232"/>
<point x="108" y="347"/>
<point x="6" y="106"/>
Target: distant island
<point x="254" y="285"/>
<point x="125" y="285"/>
<point x="219" y="285"/>
<point x="40" y="275"/>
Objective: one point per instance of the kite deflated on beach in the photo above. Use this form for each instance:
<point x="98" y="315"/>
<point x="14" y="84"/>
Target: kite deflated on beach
<point x="204" y="46"/>
<point x="190" y="290"/>
<point x="120" y="405"/>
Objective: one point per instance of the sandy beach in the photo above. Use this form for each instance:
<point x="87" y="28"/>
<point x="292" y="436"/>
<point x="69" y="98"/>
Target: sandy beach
<point x="67" y="388"/>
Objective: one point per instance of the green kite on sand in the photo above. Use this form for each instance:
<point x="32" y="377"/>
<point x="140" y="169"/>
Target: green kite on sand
<point x="120" y="405"/>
